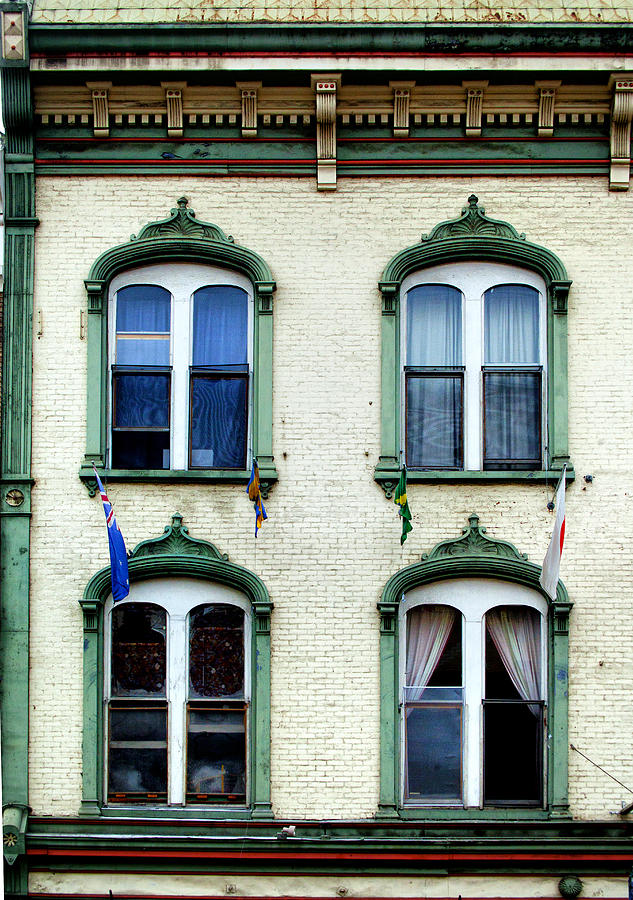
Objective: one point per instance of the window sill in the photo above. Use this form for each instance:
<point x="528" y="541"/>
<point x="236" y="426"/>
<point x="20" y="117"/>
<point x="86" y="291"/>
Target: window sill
<point x="388" y="476"/>
<point x="267" y="475"/>
<point x="170" y="812"/>
<point x="498" y="814"/>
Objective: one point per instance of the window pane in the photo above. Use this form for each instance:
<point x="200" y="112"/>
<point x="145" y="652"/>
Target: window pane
<point x="142" y="351"/>
<point x="513" y="650"/>
<point x="434" y="326"/>
<point x="216" y="651"/>
<point x="137" y="753"/>
<point x="140" y="449"/>
<point x="434" y="421"/>
<point x="433" y="764"/>
<point x="434" y="647"/>
<point x="218" y="422"/>
<point x="511" y="324"/>
<point x="220" y="326"/>
<point x="143" y="308"/>
<point x="216" y="754"/>
<point x="138" y="650"/>
<point x="141" y="401"/>
<point x="513" y="753"/>
<point x="512" y="419"/>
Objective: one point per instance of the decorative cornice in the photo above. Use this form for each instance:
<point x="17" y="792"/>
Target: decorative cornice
<point x="474" y="236"/>
<point x="473" y="555"/>
<point x="182" y="221"/>
<point x="176" y="541"/>
<point x="474" y="542"/>
<point x="325" y="87"/>
<point x="180" y="236"/>
<point x="176" y="554"/>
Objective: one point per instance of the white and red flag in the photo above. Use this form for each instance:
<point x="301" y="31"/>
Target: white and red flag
<point x="551" y="563"/>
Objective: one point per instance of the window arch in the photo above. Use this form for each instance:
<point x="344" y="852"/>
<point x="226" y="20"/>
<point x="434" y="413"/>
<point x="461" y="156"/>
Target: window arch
<point x="474" y="370"/>
<point x="469" y="641"/>
<point x="179" y="339"/>
<point x="182" y="670"/>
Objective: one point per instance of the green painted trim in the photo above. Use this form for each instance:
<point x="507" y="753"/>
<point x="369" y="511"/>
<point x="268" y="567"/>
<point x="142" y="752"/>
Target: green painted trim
<point x="175" y="553"/>
<point x="267" y="474"/>
<point x="473" y="555"/>
<point x="473" y="236"/>
<point x="387" y="475"/>
<point x="15" y="476"/>
<point x="346" y="38"/>
<point x="182" y="238"/>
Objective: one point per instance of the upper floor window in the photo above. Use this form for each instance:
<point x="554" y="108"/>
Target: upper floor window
<point x="474" y="357"/>
<point x="178" y="695"/>
<point x="473" y="695"/>
<point x="474" y="368"/>
<point x="181" y="368"/>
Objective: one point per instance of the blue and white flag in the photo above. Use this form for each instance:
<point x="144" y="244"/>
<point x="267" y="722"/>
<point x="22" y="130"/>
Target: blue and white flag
<point x="118" y="554"/>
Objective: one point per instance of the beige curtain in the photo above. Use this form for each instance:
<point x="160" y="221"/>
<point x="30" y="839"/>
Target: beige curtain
<point x="428" y="630"/>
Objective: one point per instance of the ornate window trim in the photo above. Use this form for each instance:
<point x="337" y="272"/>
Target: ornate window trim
<point x="473" y="555"/>
<point x="473" y="236"/>
<point x="179" y="238"/>
<point x="171" y="555"/>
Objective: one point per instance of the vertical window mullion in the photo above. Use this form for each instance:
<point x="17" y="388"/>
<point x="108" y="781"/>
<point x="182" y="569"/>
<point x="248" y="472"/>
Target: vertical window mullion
<point x="177" y="696"/>
<point x="473" y="359"/>
<point x="181" y="353"/>
<point x="473" y="693"/>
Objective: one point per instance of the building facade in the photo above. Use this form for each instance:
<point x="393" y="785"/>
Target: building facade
<point x="336" y="239"/>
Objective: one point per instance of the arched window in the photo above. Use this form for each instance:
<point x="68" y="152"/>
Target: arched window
<point x="177" y="681"/>
<point x="474" y="667"/>
<point x="178" y="694"/>
<point x="472" y="718"/>
<point x="474" y="369"/>
<point x="179" y="334"/>
<point x="474" y="372"/>
<point x="181" y="358"/>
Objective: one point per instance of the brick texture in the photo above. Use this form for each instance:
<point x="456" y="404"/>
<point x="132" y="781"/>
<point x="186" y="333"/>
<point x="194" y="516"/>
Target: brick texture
<point x="332" y="540"/>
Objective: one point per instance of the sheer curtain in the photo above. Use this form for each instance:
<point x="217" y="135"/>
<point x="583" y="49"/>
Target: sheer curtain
<point x="143" y="310"/>
<point x="516" y="633"/>
<point x="511" y="314"/>
<point x="434" y="326"/>
<point x="428" y="630"/>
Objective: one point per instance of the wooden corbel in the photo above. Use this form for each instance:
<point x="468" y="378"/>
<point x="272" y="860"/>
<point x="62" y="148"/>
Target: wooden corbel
<point x="325" y="87"/>
<point x="474" y="106"/>
<point x="401" y="105"/>
<point x="546" y="100"/>
<point x="621" y="115"/>
<point x="173" y="102"/>
<point x="100" y="110"/>
<point x="248" y="90"/>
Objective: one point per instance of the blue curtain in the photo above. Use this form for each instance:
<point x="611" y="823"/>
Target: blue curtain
<point x="434" y="326"/>
<point x="434" y="421"/>
<point x="143" y="309"/>
<point x="218" y="423"/>
<point x="220" y="326"/>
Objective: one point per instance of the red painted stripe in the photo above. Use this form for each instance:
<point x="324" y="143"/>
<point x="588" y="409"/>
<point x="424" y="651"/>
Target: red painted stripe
<point x="311" y="140"/>
<point x="330" y="54"/>
<point x="244" y="855"/>
<point x="414" y="161"/>
<point x="562" y="537"/>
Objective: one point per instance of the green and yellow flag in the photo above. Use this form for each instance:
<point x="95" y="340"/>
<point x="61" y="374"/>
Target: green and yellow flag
<point x="400" y="500"/>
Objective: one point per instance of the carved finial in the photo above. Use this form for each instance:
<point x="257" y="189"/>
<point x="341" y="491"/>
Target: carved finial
<point x="183" y="202"/>
<point x="473" y="200"/>
<point x="473" y="518"/>
<point x="176" y="521"/>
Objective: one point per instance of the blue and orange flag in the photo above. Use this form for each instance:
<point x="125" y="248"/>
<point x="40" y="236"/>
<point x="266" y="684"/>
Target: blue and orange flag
<point x="118" y="555"/>
<point x="254" y="493"/>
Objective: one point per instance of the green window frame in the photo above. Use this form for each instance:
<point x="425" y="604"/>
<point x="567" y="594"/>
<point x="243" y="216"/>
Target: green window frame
<point x="173" y="555"/>
<point x="474" y="237"/>
<point x="473" y="555"/>
<point x="180" y="238"/>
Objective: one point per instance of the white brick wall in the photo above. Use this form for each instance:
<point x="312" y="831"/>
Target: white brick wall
<point x="332" y="540"/>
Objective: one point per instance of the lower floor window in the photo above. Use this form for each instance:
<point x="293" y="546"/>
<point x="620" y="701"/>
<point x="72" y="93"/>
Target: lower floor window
<point x="177" y="693"/>
<point x="472" y="695"/>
